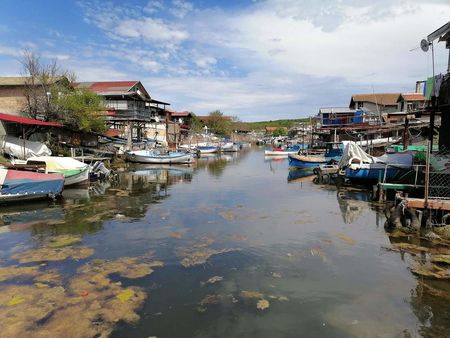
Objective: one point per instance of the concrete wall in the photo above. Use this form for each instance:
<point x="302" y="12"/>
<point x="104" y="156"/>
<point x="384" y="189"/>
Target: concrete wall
<point x="12" y="100"/>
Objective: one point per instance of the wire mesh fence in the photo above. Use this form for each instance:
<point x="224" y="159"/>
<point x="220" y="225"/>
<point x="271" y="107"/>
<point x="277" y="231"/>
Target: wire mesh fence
<point x="439" y="176"/>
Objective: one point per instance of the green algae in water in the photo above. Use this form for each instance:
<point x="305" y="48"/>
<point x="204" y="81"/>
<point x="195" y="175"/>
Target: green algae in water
<point x="128" y="267"/>
<point x="63" y="240"/>
<point x="15" y="271"/>
<point x="53" y="254"/>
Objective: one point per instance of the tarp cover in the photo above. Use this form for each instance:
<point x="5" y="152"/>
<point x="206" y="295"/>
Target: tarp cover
<point x="14" y="147"/>
<point x="353" y="152"/>
<point x="58" y="164"/>
<point x="355" y="158"/>
<point x="16" y="182"/>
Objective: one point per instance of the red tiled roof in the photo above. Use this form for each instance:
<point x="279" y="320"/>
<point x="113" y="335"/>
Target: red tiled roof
<point x="180" y="114"/>
<point x="106" y="86"/>
<point x="412" y="97"/>
<point x="26" y="120"/>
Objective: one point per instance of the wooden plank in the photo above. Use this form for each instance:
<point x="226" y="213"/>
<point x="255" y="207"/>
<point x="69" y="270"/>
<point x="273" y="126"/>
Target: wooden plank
<point x="419" y="203"/>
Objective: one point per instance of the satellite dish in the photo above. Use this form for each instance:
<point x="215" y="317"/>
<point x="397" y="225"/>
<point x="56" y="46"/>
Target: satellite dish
<point x="424" y="44"/>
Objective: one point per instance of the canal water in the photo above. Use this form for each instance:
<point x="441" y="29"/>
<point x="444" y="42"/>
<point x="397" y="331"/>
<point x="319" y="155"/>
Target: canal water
<point x="236" y="246"/>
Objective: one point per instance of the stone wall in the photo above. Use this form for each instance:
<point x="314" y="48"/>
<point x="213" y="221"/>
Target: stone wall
<point x="12" y="100"/>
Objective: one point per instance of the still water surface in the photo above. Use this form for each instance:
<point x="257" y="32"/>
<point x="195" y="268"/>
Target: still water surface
<point x="311" y="256"/>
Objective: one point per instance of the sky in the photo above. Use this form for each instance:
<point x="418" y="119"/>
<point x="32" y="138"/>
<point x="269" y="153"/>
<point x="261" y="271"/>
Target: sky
<point x="257" y="60"/>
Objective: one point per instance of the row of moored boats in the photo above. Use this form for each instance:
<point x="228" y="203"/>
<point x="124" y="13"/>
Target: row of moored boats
<point x="184" y="155"/>
<point x="348" y="159"/>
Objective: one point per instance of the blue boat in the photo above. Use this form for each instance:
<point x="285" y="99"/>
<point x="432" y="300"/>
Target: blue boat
<point x="386" y="168"/>
<point x="18" y="185"/>
<point x="363" y="168"/>
<point x="333" y="152"/>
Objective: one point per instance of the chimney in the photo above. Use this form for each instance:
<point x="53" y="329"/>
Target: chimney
<point x="419" y="86"/>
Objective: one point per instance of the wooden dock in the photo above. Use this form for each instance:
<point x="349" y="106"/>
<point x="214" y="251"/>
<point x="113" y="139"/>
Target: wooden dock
<point x="419" y="203"/>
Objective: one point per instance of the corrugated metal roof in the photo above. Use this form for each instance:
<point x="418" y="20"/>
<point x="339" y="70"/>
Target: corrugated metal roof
<point x="384" y="99"/>
<point x="106" y="86"/>
<point x="337" y="110"/>
<point x="26" y="120"/>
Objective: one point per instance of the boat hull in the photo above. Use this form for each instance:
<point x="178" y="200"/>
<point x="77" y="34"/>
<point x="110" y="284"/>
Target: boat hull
<point x="183" y="158"/>
<point x="303" y="162"/>
<point x="79" y="178"/>
<point x="279" y="153"/>
<point x="207" y="149"/>
<point x="371" y="174"/>
<point x="25" y="185"/>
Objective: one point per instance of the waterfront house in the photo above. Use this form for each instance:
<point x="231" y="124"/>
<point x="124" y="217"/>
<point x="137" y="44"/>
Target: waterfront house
<point x="132" y="110"/>
<point x="339" y="116"/>
<point x="377" y="103"/>
<point x="411" y="102"/>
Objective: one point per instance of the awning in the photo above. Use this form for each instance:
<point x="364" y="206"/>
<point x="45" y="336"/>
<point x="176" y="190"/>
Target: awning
<point x="25" y="120"/>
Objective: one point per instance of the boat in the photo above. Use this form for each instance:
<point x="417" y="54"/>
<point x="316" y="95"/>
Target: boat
<point x="18" y="185"/>
<point x="208" y="149"/>
<point x="75" y="172"/>
<point x="333" y="152"/>
<point x="294" y="149"/>
<point x="230" y="147"/>
<point x="157" y="157"/>
<point x="361" y="167"/>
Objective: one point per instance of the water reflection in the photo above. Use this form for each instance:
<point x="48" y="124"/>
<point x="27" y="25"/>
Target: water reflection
<point x="352" y="203"/>
<point x="235" y="252"/>
<point x="300" y="175"/>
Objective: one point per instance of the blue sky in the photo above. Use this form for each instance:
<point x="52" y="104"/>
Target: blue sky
<point x="258" y="60"/>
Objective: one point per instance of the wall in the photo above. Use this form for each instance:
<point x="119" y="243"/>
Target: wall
<point x="12" y="100"/>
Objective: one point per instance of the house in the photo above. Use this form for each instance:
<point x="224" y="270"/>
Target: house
<point x="15" y="91"/>
<point x="411" y="102"/>
<point x="339" y="116"/>
<point x="376" y="103"/>
<point x="130" y="106"/>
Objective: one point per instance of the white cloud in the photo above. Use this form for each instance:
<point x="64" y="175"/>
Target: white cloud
<point x="205" y="61"/>
<point x="153" y="6"/>
<point x="150" y="29"/>
<point x="180" y="8"/>
<point x="97" y="72"/>
<point x="10" y="51"/>
<point x="288" y="56"/>
<point x="57" y="56"/>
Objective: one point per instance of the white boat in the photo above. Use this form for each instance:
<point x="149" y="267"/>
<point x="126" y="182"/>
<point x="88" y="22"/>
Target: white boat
<point x="230" y="147"/>
<point x="208" y="149"/>
<point x="156" y="156"/>
<point x="74" y="171"/>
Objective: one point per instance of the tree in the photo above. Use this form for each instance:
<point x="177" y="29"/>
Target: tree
<point x="218" y="124"/>
<point x="50" y="96"/>
<point x="196" y="126"/>
<point x="279" y="132"/>
<point x="40" y="80"/>
<point x="80" y="109"/>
